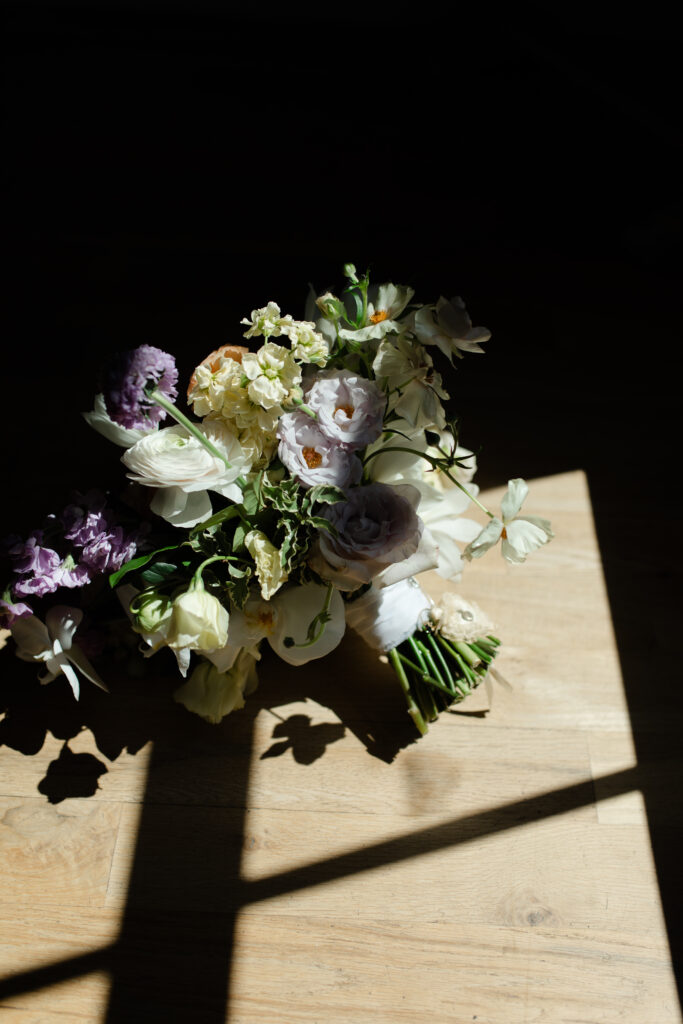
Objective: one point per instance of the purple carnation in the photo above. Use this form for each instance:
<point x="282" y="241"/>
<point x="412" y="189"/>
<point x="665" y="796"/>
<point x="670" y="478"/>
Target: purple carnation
<point x="376" y="526"/>
<point x="128" y="377"/>
<point x="349" y="408"/>
<point x="311" y="457"/>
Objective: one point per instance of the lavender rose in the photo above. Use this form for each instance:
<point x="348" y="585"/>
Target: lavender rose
<point x="349" y="408"/>
<point x="377" y="528"/>
<point x="313" y="458"/>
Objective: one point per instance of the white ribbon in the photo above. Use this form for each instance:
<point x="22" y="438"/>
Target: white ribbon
<point x="387" y="616"/>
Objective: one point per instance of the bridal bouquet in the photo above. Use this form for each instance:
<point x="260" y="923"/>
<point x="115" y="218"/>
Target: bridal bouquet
<point x="315" y="478"/>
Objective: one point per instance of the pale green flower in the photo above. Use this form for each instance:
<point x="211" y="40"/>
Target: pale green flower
<point x="199" y="621"/>
<point x="520" y="534"/>
<point x="213" y="694"/>
<point x="308" y="345"/>
<point x="268" y="564"/>
<point x="266" y="321"/>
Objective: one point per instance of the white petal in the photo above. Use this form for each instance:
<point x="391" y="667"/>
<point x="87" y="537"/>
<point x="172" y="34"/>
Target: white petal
<point x="100" y="421"/>
<point x="426" y="557"/>
<point x="180" y="508"/>
<point x="489" y="536"/>
<point x="513" y="498"/>
<point x="297" y="607"/>
<point x="62" y="622"/>
<point x="523" y="537"/>
<point x="79" y="659"/>
<point x="32" y="638"/>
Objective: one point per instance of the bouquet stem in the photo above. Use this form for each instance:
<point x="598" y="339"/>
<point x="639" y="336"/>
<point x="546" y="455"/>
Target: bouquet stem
<point x="435" y="673"/>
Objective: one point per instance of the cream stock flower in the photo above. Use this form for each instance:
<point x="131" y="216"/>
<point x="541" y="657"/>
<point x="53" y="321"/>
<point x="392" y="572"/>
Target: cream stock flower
<point x="272" y="373"/>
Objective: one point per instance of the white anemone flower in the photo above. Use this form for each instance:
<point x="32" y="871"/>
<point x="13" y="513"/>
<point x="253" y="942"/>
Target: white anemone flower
<point x="288" y="616"/>
<point x="452" y="331"/>
<point x="520" y="534"/>
<point x="183" y="471"/>
<point x="52" y="643"/>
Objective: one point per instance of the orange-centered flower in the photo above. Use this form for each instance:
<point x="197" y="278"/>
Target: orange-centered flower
<point x="312" y="457"/>
<point x="381" y="314"/>
<point x="348" y="410"/>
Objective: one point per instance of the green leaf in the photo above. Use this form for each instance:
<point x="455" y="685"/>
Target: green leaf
<point x="215" y="520"/>
<point x="137" y="563"/>
<point x="325" y="494"/>
<point x="158" y="573"/>
<point x="321" y="523"/>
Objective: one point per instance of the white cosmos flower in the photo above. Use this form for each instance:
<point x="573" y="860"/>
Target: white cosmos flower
<point x="521" y="534"/>
<point x="414" y="387"/>
<point x="388" y="302"/>
<point x="451" y="331"/>
<point x="289" y="615"/>
<point x="183" y="470"/>
<point x="52" y="643"/>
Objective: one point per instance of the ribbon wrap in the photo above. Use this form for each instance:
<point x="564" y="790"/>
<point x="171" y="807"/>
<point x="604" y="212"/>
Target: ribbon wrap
<point x="387" y="616"/>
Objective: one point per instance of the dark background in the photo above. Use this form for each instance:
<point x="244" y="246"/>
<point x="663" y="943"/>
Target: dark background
<point x="171" y="166"/>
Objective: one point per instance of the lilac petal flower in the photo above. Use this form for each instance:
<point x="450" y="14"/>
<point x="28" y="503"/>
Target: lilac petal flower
<point x="127" y="377"/>
<point x="349" y="408"/>
<point x="313" y="458"/>
<point x="10" y="611"/>
<point x="104" y="546"/>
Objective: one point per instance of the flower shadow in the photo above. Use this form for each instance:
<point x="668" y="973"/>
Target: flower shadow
<point x="306" y="741"/>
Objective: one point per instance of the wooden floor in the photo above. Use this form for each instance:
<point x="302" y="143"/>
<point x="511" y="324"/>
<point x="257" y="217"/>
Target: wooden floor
<point x="306" y="861"/>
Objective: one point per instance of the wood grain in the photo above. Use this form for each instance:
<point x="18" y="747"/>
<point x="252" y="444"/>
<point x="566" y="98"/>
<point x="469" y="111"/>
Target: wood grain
<point x="291" y="865"/>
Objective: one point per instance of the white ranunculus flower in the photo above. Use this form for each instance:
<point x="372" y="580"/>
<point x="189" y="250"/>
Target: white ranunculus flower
<point x="448" y="326"/>
<point x="213" y="694"/>
<point x="183" y="470"/>
<point x="520" y="534"/>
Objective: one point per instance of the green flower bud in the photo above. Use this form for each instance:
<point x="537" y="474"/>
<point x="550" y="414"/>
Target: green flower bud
<point x="151" y="611"/>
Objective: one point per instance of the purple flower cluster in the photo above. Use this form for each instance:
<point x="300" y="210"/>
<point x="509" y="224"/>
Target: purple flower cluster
<point x="71" y="551"/>
<point x="129" y="376"/>
<point x="349" y="413"/>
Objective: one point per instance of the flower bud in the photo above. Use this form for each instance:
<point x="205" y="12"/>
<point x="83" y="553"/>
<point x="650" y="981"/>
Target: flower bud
<point x="150" y="611"/>
<point x="330" y="306"/>
<point x="199" y="621"/>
